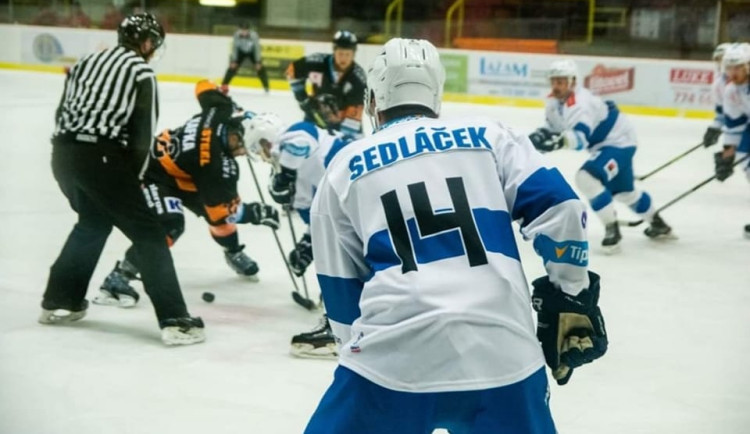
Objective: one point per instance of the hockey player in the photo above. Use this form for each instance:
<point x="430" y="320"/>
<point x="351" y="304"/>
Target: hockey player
<point x="576" y="119"/>
<point x="717" y="92"/>
<point x="245" y="46"/>
<point x="736" y="129"/>
<point x="336" y="74"/>
<point x="421" y="276"/>
<point x="299" y="155"/>
<point x="193" y="167"/>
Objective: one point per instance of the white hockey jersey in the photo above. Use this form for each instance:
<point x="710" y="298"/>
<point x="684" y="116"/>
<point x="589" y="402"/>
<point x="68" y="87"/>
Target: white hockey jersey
<point x="717" y="92"/>
<point x="736" y="116"/>
<point x="588" y="122"/>
<point x="416" y="258"/>
<point x="307" y="149"/>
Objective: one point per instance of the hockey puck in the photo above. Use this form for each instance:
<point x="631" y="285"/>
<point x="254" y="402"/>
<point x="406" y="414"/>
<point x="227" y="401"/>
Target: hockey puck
<point x="208" y="297"/>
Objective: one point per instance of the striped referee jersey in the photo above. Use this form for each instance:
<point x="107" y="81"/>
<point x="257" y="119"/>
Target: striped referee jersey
<point x="109" y="95"/>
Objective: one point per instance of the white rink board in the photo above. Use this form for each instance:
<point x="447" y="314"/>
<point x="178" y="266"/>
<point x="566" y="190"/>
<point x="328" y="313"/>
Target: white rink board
<point x="648" y="83"/>
<point x="677" y="313"/>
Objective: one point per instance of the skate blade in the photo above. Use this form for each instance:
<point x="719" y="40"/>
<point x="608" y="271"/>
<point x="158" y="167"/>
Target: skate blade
<point x="173" y="336"/>
<point x="611" y="250"/>
<point x="307" y="351"/>
<point x="666" y="237"/>
<point x="252" y="278"/>
<point x="60" y="316"/>
<point x="106" y="299"/>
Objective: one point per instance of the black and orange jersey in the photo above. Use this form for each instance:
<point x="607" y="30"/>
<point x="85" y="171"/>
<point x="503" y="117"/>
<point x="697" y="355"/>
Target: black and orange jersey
<point x="348" y="87"/>
<point x="194" y="159"/>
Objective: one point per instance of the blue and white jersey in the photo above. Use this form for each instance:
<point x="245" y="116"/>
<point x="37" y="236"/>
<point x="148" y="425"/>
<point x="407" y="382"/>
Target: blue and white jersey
<point x="717" y="92"/>
<point x="307" y="149"/>
<point x="736" y="115"/>
<point x="416" y="256"/>
<point x="588" y="122"/>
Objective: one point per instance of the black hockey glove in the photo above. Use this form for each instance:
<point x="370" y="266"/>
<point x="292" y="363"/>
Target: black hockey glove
<point x="281" y="186"/>
<point x="259" y="214"/>
<point x="571" y="329"/>
<point x="302" y="255"/>
<point x="724" y="166"/>
<point x="711" y="136"/>
<point x="307" y="105"/>
<point x="545" y="141"/>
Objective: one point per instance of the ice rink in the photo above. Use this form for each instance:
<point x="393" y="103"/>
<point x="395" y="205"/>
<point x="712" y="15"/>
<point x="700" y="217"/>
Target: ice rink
<point x="678" y="312"/>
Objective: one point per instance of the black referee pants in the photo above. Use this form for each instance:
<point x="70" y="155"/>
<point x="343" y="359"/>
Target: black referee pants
<point x="101" y="186"/>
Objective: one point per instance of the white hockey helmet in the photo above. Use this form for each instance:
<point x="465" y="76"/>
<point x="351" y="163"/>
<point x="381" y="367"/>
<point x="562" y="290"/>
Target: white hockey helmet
<point x="563" y="68"/>
<point x="736" y="54"/>
<point x="266" y="127"/>
<point x="720" y="50"/>
<point x="406" y="72"/>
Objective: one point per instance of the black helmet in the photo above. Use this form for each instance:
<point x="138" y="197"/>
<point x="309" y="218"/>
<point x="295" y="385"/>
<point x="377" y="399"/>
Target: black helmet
<point x="345" y="39"/>
<point x="326" y="111"/>
<point x="136" y="29"/>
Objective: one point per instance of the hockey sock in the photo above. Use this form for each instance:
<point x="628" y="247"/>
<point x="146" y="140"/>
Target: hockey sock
<point x="230" y="242"/>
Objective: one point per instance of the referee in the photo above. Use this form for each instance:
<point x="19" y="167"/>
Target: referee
<point x="245" y="46"/>
<point x="104" y="126"/>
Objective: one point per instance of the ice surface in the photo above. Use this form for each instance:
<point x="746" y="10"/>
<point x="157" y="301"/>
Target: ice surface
<point x="678" y="313"/>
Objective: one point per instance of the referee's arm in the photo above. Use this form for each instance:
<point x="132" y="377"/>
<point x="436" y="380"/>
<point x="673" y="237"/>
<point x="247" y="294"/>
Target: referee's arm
<point x="142" y="123"/>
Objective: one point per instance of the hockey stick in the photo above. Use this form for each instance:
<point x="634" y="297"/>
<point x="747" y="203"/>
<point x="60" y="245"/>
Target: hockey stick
<point x="294" y="240"/>
<point x="670" y="162"/>
<point x="296" y="295"/>
<point x="685" y="194"/>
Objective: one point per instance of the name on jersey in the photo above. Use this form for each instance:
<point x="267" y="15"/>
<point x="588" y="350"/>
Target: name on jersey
<point x="191" y="130"/>
<point x="423" y="141"/>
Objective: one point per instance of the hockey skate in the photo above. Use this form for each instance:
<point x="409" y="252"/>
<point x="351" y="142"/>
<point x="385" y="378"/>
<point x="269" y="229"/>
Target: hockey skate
<point x="658" y="229"/>
<point x="182" y="331"/>
<point x="241" y="263"/>
<point x="116" y="290"/>
<point x="747" y="231"/>
<point x="318" y="343"/>
<point x="612" y="237"/>
<point x="55" y="314"/>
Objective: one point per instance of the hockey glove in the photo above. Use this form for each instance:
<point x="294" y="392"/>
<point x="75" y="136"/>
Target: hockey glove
<point x="302" y="255"/>
<point x="571" y="329"/>
<point x="545" y="141"/>
<point x="281" y="186"/>
<point x="259" y="214"/>
<point x="307" y="105"/>
<point x="724" y="166"/>
<point x="711" y="136"/>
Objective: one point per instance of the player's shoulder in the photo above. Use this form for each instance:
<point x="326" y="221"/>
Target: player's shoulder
<point x="359" y="73"/>
<point x="301" y="129"/>
<point x="316" y="58"/>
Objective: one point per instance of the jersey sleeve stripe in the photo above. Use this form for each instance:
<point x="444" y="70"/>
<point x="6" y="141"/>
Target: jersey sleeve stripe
<point x="341" y="297"/>
<point x="541" y="191"/>
<point x="731" y="122"/>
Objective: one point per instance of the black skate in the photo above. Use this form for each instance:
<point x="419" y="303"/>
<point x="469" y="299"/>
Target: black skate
<point x="747" y="231"/>
<point x="54" y="313"/>
<point x="658" y="229"/>
<point x="612" y="237"/>
<point x="318" y="343"/>
<point x="182" y="331"/>
<point x="116" y="289"/>
<point x="241" y="263"/>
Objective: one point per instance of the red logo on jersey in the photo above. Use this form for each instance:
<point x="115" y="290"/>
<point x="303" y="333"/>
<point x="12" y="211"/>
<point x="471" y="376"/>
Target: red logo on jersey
<point x="691" y="76"/>
<point x="603" y="80"/>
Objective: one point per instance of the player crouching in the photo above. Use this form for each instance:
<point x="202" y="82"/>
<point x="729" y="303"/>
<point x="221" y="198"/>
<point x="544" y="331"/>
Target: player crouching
<point x="194" y="166"/>
<point x="576" y="119"/>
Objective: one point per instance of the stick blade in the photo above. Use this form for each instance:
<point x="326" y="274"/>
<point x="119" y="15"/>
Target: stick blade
<point x="302" y="301"/>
